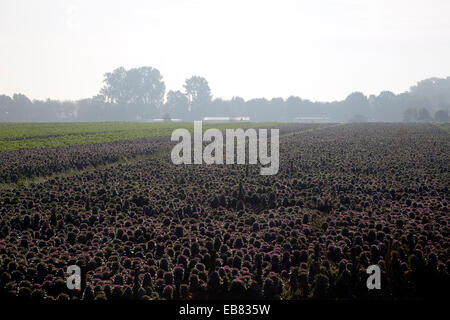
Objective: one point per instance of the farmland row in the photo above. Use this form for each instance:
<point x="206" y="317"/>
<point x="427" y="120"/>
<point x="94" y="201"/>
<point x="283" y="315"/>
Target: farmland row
<point x="26" y="163"/>
<point x="16" y="136"/>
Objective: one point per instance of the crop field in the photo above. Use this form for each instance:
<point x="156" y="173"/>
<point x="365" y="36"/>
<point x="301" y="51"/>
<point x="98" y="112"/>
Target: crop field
<point x="15" y="136"/>
<point x="78" y="151"/>
<point x="346" y="197"/>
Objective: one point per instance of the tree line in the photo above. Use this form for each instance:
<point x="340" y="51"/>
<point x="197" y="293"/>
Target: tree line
<point x="139" y="94"/>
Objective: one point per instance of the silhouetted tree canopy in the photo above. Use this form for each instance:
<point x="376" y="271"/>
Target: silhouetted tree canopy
<point x="177" y="104"/>
<point x="410" y="115"/>
<point x="423" y="115"/>
<point x="199" y="95"/>
<point x="356" y="104"/>
<point x="138" y="94"/>
<point x="141" y="88"/>
<point x="441" y="116"/>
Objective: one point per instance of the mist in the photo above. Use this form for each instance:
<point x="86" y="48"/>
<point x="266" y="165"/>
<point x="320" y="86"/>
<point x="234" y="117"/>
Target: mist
<point x="139" y="94"/>
<point x="338" y="60"/>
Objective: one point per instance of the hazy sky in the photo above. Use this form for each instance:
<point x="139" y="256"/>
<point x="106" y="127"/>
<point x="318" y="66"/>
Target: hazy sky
<point x="319" y="50"/>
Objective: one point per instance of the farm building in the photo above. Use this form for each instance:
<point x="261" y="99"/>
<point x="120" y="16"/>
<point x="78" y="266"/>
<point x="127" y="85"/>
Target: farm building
<point x="245" y="119"/>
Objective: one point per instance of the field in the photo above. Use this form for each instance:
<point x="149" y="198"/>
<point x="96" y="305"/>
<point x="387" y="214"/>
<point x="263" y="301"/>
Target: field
<point x="40" y="150"/>
<point x="346" y="196"/>
<point x="15" y="136"/>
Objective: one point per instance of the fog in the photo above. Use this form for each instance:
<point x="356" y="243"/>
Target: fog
<point x="139" y="94"/>
<point x="265" y="53"/>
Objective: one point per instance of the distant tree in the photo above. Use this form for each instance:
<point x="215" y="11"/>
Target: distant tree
<point x="423" y="115"/>
<point x="177" y="104"/>
<point x="67" y="111"/>
<point x="332" y="111"/>
<point x="435" y="90"/>
<point x="309" y="108"/>
<point x="6" y="104"/>
<point x="237" y="107"/>
<point x="22" y="109"/>
<point x="219" y="108"/>
<point x="138" y="93"/>
<point x="297" y="107"/>
<point x="385" y="107"/>
<point x="356" y="103"/>
<point x="115" y="88"/>
<point x="255" y="108"/>
<point x="199" y="95"/>
<point x="441" y="116"/>
<point x="410" y="115"/>
<point x="93" y="109"/>
<point x="21" y="99"/>
<point x="276" y="110"/>
<point x="293" y="107"/>
<point x="141" y="87"/>
<point x="50" y="110"/>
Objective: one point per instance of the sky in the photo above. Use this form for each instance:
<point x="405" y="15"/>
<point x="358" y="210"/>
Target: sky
<point x="318" y="50"/>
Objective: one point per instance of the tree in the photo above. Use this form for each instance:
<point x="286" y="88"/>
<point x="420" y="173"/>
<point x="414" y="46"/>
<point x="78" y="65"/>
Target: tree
<point x="114" y="89"/>
<point x="423" y="115"/>
<point x="177" y="104"/>
<point x="276" y="109"/>
<point x="293" y="107"/>
<point x="356" y="103"/>
<point x="410" y="115"/>
<point x="199" y="95"/>
<point x="385" y="107"/>
<point x="435" y="90"/>
<point x="219" y="108"/>
<point x="255" y="109"/>
<point x="237" y="107"/>
<point x="21" y="99"/>
<point x="141" y="87"/>
<point x="22" y="108"/>
<point x="441" y="116"/>
<point x="93" y="109"/>
<point x="50" y="110"/>
<point x="6" y="104"/>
